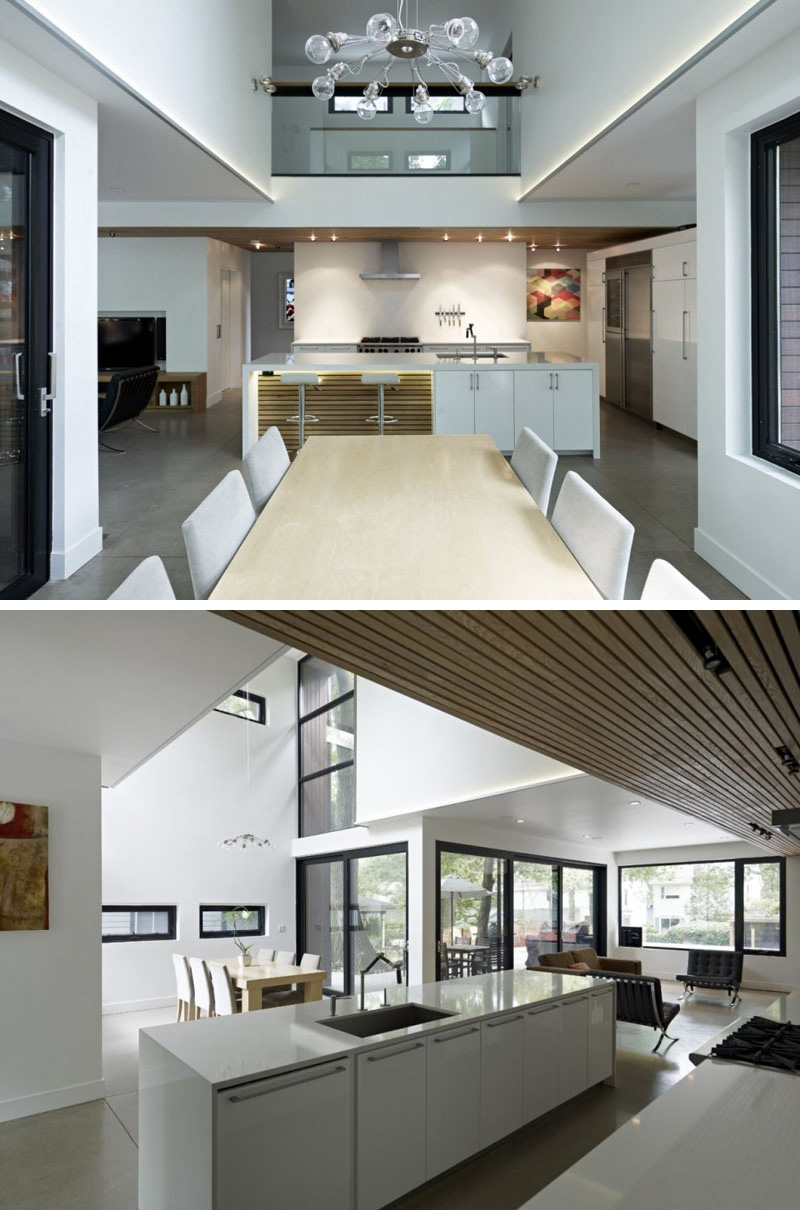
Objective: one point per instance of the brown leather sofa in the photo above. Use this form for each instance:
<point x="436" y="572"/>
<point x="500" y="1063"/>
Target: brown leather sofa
<point x="564" y="963"/>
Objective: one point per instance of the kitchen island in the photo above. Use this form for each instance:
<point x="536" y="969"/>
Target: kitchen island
<point x="555" y="394"/>
<point x="354" y="1110"/>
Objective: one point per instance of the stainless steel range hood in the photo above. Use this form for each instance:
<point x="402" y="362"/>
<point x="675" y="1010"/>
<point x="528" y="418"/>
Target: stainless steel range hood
<point x="390" y="265"/>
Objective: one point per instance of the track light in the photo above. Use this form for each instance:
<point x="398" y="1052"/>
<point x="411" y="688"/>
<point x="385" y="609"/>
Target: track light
<point x="693" y="629"/>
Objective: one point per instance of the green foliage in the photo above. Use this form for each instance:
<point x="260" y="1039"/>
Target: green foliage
<point x="711" y="896"/>
<point x="700" y="932"/>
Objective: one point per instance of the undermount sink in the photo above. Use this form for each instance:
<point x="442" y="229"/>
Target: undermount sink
<point x="384" y="1020"/>
<point x="471" y="356"/>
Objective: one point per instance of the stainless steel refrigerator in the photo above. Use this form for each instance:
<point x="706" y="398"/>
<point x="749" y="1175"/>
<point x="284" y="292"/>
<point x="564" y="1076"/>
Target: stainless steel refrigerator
<point x="629" y="339"/>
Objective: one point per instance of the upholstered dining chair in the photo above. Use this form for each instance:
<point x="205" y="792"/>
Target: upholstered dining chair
<point x="215" y="531"/>
<point x="224" y="994"/>
<point x="148" y="582"/>
<point x="534" y="464"/>
<point x="203" y="990"/>
<point x="665" y="583"/>
<point x="267" y="462"/>
<point x="265" y="956"/>
<point x="185" y="988"/>
<point x="599" y="537"/>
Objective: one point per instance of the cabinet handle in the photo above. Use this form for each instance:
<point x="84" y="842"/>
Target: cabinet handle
<point x="500" y="1024"/>
<point x="604" y="325"/>
<point x="263" y="1092"/>
<point x="551" y="381"/>
<point x="686" y="268"/>
<point x="463" y="1034"/>
<point x="406" y="1050"/>
<point x="539" y="1012"/>
<point x="472" y="382"/>
<point x="477" y="382"/>
<point x="683" y="336"/>
<point x="558" y="387"/>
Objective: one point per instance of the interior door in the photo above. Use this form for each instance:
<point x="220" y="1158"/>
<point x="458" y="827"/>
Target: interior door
<point x="27" y="378"/>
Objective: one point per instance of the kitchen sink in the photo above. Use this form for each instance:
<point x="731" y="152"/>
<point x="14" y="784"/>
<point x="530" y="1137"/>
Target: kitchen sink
<point x="384" y="1020"/>
<point x="471" y="356"/>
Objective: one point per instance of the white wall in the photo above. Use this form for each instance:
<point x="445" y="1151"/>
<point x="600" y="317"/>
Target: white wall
<point x="334" y="304"/>
<point x="749" y="510"/>
<point x="225" y="257"/>
<point x="266" y="335"/>
<point x="161" y="829"/>
<point x="411" y="757"/>
<point x="50" y="1051"/>
<point x="193" y="60"/>
<point x="772" y="974"/>
<point x="630" y="50"/>
<point x="557" y="336"/>
<point x="32" y="93"/>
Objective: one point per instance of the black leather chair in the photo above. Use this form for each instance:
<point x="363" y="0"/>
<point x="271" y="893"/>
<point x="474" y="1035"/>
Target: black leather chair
<point x="639" y="1001"/>
<point x="127" y="395"/>
<point x="720" y="969"/>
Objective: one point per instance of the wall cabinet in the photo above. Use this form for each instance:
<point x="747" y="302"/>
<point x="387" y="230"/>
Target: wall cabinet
<point x="391" y="1094"/>
<point x="502" y="1048"/>
<point x="267" y="1130"/>
<point x="540" y="1080"/>
<point x="573" y="1049"/>
<point x="675" y="262"/>
<point x="454" y="1097"/>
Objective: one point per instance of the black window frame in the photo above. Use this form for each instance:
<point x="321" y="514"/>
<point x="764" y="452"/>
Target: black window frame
<point x="766" y="317"/>
<point x="738" y="903"/>
<point x="345" y="113"/>
<point x="304" y="779"/>
<point x="247" y="697"/>
<point x="455" y="113"/>
<point x="113" y="939"/>
<point x="212" y="934"/>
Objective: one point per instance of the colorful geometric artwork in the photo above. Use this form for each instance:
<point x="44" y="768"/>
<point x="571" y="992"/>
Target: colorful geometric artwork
<point x="24" y="900"/>
<point x="554" y="294"/>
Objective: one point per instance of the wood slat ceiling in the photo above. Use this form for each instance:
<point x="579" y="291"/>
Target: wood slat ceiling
<point x="621" y="694"/>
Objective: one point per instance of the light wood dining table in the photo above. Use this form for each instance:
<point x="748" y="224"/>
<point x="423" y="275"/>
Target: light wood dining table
<point x="251" y="980"/>
<point x="403" y="518"/>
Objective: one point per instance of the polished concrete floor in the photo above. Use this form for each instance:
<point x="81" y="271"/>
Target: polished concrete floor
<point x="85" y="1158"/>
<point x="650" y="476"/>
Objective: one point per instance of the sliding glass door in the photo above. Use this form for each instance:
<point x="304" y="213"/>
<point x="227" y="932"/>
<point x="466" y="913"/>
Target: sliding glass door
<point x="26" y="379"/>
<point x="578" y="915"/>
<point x="535" y="911"/>
<point x="473" y="933"/>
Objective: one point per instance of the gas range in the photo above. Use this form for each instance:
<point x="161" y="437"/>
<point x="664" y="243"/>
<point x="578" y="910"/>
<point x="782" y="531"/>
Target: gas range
<point x="390" y="344"/>
<point x="763" y="1043"/>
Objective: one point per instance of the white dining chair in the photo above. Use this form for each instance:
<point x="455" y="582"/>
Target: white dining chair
<point x="215" y="531"/>
<point x="274" y="998"/>
<point x="599" y="537"/>
<point x="267" y="462"/>
<point x="147" y="582"/>
<point x="265" y="956"/>
<point x="665" y="583"/>
<point x="534" y="464"/>
<point x="185" y="988"/>
<point x="224" y="994"/>
<point x="284" y="958"/>
<point x="203" y="990"/>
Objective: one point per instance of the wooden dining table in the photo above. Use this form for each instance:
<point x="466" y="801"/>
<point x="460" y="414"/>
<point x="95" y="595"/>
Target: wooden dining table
<point x="403" y="518"/>
<point x="251" y="980"/>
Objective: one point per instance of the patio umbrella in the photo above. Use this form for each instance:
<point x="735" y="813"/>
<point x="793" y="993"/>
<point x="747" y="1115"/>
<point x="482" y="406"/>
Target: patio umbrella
<point x="375" y="905"/>
<point x="462" y="888"/>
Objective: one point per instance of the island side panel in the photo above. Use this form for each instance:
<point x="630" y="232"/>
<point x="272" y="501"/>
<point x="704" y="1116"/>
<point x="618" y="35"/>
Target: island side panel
<point x="176" y="1132"/>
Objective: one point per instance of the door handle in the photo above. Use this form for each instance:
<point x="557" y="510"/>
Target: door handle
<point x="47" y="394"/>
<point x="683" y="336"/>
<point x="604" y="325"/>
<point x="263" y="1092"/>
<point x="406" y="1050"/>
<point x="17" y="376"/>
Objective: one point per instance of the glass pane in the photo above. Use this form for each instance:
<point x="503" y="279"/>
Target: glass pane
<point x="328" y="739"/>
<point x="614" y="303"/>
<point x="681" y="905"/>
<point x="535" y="912"/>
<point x="472" y="892"/>
<point x="370" y="161"/>
<point x="351" y="104"/>
<point x="243" y="920"/>
<point x="789" y="251"/>
<point x="321" y="683"/>
<point x="577" y="908"/>
<point x="762" y="905"/>
<point x="13" y="422"/>
<point x="430" y="162"/>
<point x="448" y="105"/>
<point x="323" y="901"/>
<point x="253" y="708"/>
<point x="378" y="917"/>
<point x="328" y="803"/>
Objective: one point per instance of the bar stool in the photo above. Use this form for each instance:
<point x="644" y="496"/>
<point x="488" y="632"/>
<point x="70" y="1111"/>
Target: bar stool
<point x="381" y="381"/>
<point x="301" y="381"/>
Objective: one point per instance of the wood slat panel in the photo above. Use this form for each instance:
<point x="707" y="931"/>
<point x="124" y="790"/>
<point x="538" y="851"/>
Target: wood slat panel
<point x="620" y="694"/>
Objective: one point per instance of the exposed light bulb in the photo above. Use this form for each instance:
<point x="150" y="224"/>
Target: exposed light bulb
<point x="463" y="32"/>
<point x="474" y="101"/>
<point x="382" y="27"/>
<point x="500" y="71"/>
<point x="318" y="49"/>
<point x="423" y="113"/>
<point x="323" y="88"/>
<point x="366" y="109"/>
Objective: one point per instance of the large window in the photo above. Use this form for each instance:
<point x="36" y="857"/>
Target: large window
<point x="327" y="725"/>
<point x="776" y="293"/>
<point x="730" y="905"/>
<point x="139" y="923"/>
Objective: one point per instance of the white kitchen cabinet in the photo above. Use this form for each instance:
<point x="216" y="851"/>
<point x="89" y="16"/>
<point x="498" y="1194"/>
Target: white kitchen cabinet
<point x="533" y="404"/>
<point x="268" y="1130"/>
<point x="573" y="1048"/>
<point x="541" y="1048"/>
<point x="675" y="262"/>
<point x="454" y="1097"/>
<point x="494" y="407"/>
<point x="675" y="355"/>
<point x="391" y="1092"/>
<point x="573" y="410"/>
<point x="455" y="402"/>
<point x="502" y="1050"/>
<point x="602" y="1024"/>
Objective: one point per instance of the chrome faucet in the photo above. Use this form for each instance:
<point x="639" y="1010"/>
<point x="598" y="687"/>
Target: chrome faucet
<point x="396" y="966"/>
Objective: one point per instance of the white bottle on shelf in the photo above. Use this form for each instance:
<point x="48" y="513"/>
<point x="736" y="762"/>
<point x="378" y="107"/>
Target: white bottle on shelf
<point x="184" y="397"/>
<point x="162" y="399"/>
<point x="173" y="398"/>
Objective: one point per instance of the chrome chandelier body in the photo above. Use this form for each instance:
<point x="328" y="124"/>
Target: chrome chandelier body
<point x="389" y="41"/>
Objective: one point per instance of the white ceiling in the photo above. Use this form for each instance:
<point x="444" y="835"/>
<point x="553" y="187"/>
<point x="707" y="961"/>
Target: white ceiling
<point x="586" y="811"/>
<point x="118" y="683"/>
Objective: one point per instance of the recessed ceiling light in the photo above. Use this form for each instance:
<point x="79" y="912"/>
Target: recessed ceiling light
<point x="634" y="803"/>
<point x="520" y="821"/>
<point x="256" y="244"/>
<point x="510" y="237"/>
<point x="480" y="239"/>
<point x="313" y="238"/>
<point x="446" y="237"/>
<point x="334" y="238"/>
<point x="532" y="248"/>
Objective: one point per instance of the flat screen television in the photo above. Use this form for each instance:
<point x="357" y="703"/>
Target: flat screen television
<point x="125" y="343"/>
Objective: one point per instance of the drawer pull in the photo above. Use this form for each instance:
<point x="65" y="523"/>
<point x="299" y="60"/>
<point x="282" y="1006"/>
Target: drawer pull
<point x="462" y="1034"/>
<point x="406" y="1050"/>
<point x="500" y="1024"/>
<point x="263" y="1092"/>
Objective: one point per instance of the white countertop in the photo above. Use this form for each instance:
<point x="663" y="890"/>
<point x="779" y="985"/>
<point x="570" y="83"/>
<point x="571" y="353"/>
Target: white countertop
<point x="249" y="1046"/>
<point x="408" y="362"/>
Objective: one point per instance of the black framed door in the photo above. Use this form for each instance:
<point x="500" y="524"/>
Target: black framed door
<point x="27" y="370"/>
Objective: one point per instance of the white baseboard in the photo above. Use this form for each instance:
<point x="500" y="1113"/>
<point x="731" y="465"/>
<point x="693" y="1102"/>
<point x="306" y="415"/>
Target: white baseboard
<point x="730" y="566"/>
<point x="215" y="398"/>
<point x="139" y="1006"/>
<point x="64" y="563"/>
<point x="46" y="1102"/>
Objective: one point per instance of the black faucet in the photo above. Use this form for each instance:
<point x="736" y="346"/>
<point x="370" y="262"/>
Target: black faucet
<point x="396" y="966"/>
<point x="471" y="334"/>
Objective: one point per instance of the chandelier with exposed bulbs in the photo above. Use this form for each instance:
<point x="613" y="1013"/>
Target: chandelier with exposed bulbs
<point x="389" y="41"/>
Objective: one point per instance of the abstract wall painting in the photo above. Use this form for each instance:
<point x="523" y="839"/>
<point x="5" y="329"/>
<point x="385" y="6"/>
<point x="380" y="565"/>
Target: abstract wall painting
<point x="554" y="294"/>
<point x="24" y="900"/>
